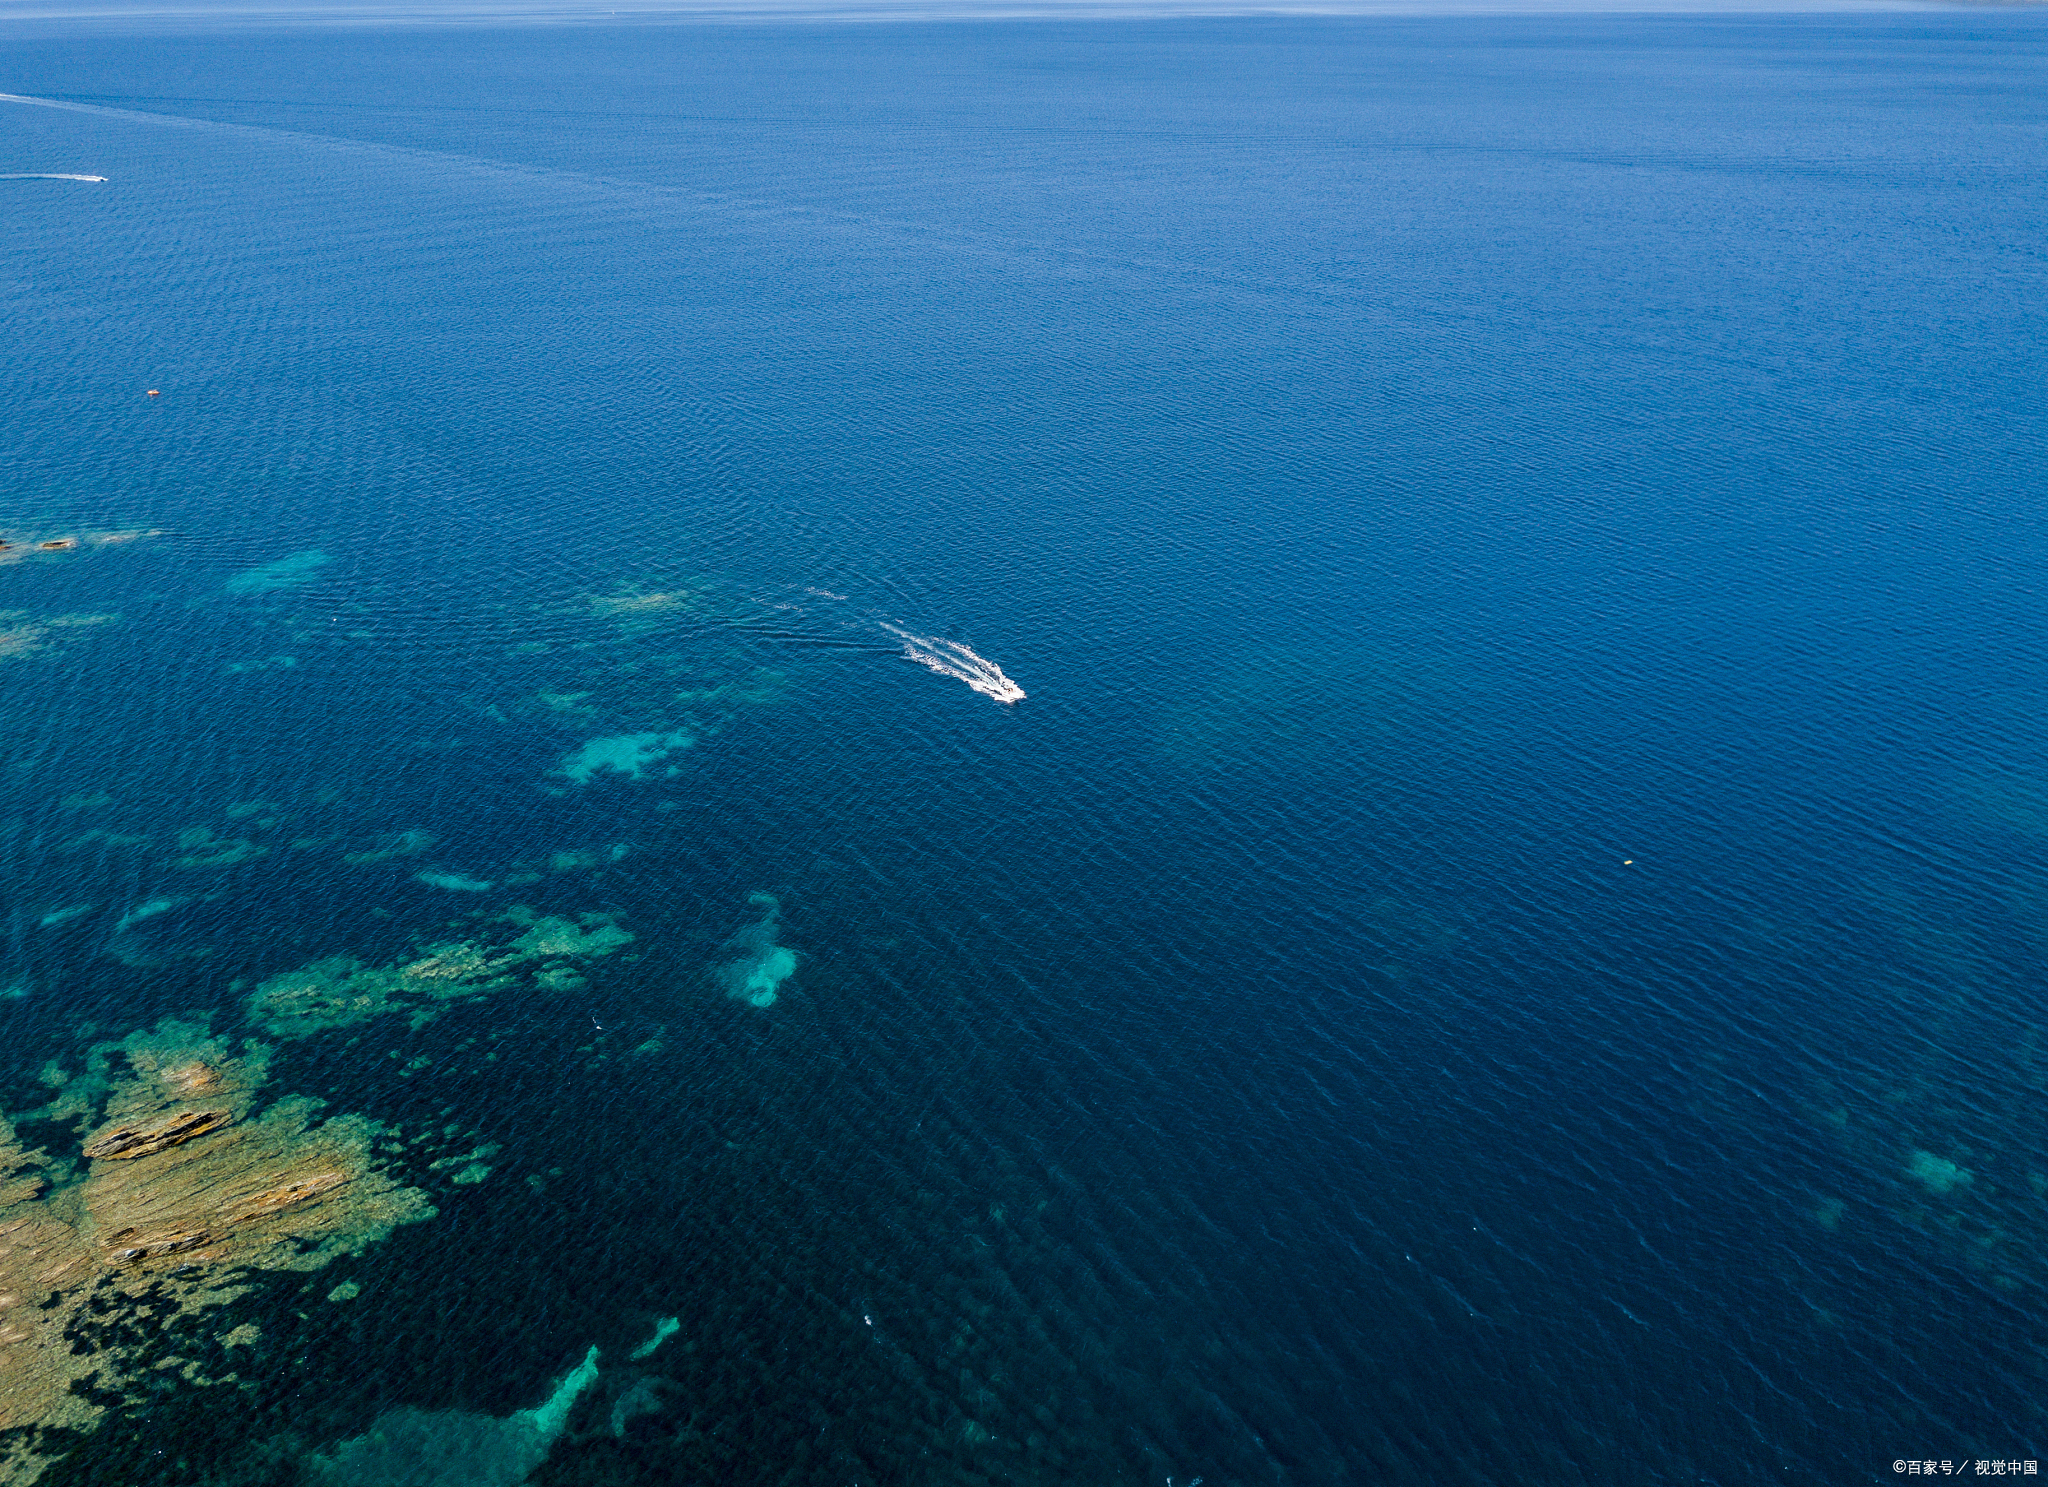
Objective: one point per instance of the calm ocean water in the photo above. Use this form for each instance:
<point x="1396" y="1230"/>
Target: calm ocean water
<point x="1504" y="944"/>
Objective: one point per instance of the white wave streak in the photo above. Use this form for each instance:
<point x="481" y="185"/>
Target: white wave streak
<point x="46" y="176"/>
<point x="951" y="658"/>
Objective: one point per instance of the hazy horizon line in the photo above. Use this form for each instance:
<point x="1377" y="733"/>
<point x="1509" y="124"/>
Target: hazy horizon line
<point x="37" y="13"/>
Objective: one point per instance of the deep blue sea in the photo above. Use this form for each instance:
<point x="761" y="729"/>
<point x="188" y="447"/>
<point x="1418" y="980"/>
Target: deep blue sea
<point x="1505" y="943"/>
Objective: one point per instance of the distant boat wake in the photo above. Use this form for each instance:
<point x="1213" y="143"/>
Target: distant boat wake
<point x="951" y="658"/>
<point x="29" y="175"/>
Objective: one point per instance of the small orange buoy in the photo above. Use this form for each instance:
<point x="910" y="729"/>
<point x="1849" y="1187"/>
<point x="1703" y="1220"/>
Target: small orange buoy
<point x="154" y="393"/>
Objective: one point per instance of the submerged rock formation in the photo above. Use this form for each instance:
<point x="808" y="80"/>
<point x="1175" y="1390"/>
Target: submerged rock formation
<point x="187" y="1182"/>
<point x="763" y="965"/>
<point x="454" y="1448"/>
<point x="341" y="991"/>
<point x="16" y="544"/>
<point x="181" y="1188"/>
<point x="21" y="634"/>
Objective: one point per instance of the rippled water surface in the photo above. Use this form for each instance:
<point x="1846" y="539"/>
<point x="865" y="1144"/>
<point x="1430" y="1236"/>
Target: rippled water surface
<point x="1456" y="894"/>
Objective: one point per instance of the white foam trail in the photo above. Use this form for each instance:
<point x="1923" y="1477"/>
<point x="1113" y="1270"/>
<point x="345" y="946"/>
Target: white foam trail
<point x="44" y="176"/>
<point x="951" y="658"/>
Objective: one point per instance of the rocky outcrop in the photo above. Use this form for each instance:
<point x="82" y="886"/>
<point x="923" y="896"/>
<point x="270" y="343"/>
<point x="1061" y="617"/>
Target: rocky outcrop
<point x="152" y="1213"/>
<point x="125" y="1143"/>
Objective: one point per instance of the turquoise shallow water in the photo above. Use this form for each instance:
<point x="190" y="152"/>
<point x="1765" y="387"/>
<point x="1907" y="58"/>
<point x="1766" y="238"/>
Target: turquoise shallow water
<point x="1502" y="943"/>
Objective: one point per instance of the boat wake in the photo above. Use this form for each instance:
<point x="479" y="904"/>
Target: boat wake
<point x="951" y="658"/>
<point x="30" y="175"/>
